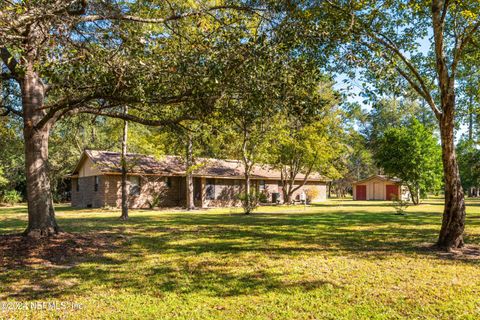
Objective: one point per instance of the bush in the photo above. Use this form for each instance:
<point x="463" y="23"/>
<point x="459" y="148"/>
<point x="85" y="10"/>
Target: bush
<point x="311" y="194"/>
<point x="400" y="205"/>
<point x="157" y="200"/>
<point x="249" y="206"/>
<point x="263" y="197"/>
<point x="11" y="197"/>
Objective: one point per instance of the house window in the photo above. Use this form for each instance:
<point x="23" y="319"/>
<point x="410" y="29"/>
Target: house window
<point x="261" y="185"/>
<point x="96" y="183"/>
<point x="134" y="185"/>
<point x="210" y="189"/>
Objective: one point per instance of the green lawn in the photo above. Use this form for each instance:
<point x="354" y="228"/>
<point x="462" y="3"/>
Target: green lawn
<point x="336" y="260"/>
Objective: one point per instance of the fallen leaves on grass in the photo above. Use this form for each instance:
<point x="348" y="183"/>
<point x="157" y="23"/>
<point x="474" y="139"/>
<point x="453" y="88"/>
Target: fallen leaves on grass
<point x="61" y="250"/>
<point x="467" y="252"/>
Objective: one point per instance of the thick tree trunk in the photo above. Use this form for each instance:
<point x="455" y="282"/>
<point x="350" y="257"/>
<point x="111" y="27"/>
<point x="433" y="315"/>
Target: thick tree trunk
<point x="284" y="190"/>
<point x="453" y="222"/>
<point x="41" y="213"/>
<point x="124" y="215"/>
<point x="189" y="178"/>
<point x="287" y="191"/>
<point x="288" y="198"/>
<point x="290" y="190"/>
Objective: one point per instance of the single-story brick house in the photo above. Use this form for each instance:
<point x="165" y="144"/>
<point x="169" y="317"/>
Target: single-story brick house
<point x="96" y="181"/>
<point x="379" y="187"/>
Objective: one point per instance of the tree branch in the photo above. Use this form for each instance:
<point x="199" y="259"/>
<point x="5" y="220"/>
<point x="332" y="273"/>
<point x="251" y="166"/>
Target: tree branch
<point x="438" y="30"/>
<point x="390" y="45"/>
<point x="466" y="39"/>
<point x="97" y="17"/>
<point x="9" y="110"/>
<point x="129" y="117"/>
<point x="415" y="86"/>
<point x="9" y="61"/>
<point x="421" y="88"/>
<point x="307" y="174"/>
<point x="446" y="3"/>
<point x="6" y="76"/>
<point x="59" y="109"/>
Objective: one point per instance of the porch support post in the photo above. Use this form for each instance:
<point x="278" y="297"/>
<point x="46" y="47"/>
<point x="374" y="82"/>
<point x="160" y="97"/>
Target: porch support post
<point x="203" y="183"/>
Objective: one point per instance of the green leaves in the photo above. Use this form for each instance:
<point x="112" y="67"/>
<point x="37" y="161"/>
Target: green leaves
<point x="469" y="163"/>
<point x="411" y="153"/>
<point x="3" y="180"/>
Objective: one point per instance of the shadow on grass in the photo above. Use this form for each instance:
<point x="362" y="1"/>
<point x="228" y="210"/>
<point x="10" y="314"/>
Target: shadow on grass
<point x="181" y="236"/>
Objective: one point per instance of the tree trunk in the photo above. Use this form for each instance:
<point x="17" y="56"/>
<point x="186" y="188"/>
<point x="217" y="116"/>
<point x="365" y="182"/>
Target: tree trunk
<point x="284" y="191"/>
<point x="290" y="191"/>
<point x="288" y="198"/>
<point x="414" y="194"/>
<point x="248" y="165"/>
<point x="453" y="222"/>
<point x="189" y="178"/>
<point x="41" y="213"/>
<point x="124" y="215"/>
<point x="248" y="207"/>
<point x="470" y="119"/>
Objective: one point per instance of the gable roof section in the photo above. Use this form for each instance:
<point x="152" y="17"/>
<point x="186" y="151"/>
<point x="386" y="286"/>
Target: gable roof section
<point x="108" y="162"/>
<point x="380" y="177"/>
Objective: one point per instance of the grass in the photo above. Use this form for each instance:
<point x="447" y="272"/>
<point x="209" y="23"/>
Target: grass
<point x="335" y="260"/>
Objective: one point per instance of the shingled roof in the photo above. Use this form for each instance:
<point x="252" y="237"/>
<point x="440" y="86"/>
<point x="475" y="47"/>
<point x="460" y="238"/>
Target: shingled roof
<point x="108" y="162"/>
<point x="381" y="177"/>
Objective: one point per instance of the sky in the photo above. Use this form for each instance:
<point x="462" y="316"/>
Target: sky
<point x="352" y="88"/>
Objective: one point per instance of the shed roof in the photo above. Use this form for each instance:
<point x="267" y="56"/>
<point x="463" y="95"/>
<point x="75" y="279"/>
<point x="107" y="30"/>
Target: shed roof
<point x="108" y="162"/>
<point x="380" y="177"/>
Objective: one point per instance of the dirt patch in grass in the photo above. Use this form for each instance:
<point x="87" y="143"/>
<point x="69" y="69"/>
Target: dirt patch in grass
<point x="467" y="252"/>
<point x="62" y="250"/>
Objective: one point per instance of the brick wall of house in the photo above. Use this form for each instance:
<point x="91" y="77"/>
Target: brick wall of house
<point x="86" y="196"/>
<point x="160" y="192"/>
<point x="154" y="191"/>
<point x="271" y="187"/>
<point x="226" y="193"/>
<point x="319" y="187"/>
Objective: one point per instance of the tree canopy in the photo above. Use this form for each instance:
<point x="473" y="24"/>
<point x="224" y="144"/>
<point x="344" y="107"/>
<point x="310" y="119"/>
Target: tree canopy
<point x="412" y="154"/>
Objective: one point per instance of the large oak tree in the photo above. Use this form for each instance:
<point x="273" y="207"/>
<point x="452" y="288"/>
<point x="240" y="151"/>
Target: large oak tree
<point x="62" y="58"/>
<point x="423" y="42"/>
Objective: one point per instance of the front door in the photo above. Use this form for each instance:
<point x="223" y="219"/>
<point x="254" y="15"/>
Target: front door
<point x="378" y="191"/>
<point x="361" y="192"/>
<point x="197" y="189"/>
<point x="392" y="192"/>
